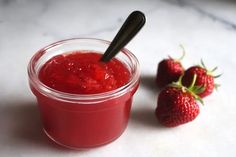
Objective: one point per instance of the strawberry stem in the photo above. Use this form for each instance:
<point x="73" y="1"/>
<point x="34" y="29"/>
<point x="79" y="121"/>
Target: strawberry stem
<point x="210" y="72"/>
<point x="203" y="64"/>
<point x="193" y="82"/>
<point x="169" y="57"/>
<point x="177" y="84"/>
<point x="214" y="69"/>
<point x="183" y="52"/>
<point x="217" y="76"/>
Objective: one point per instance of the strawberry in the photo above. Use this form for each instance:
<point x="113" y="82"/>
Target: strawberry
<point x="177" y="104"/>
<point x="205" y="79"/>
<point x="169" y="70"/>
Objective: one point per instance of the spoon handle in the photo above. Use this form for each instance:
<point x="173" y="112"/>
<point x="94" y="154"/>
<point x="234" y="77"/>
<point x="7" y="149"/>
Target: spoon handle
<point x="129" y="29"/>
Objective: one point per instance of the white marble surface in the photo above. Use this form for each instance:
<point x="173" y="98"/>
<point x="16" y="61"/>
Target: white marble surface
<point x="207" y="29"/>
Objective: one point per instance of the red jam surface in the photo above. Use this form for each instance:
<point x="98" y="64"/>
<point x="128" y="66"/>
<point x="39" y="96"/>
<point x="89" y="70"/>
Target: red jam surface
<point x="81" y="72"/>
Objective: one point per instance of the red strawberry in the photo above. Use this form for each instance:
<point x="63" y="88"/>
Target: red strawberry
<point x="177" y="105"/>
<point x="205" y="79"/>
<point x="169" y="70"/>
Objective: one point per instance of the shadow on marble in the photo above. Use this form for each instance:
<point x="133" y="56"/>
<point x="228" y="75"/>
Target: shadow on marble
<point x="145" y="117"/>
<point x="26" y="130"/>
<point x="148" y="83"/>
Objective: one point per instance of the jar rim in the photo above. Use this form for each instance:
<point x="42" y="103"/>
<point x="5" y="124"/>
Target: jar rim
<point x="71" y="97"/>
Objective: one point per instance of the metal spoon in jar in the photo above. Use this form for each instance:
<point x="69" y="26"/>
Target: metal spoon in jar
<point x="129" y="29"/>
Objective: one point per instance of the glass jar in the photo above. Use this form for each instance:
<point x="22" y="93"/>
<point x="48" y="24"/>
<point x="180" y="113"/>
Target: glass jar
<point x="83" y="120"/>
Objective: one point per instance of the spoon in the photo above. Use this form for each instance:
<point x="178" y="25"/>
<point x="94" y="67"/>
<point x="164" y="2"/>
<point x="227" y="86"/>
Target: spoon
<point x="129" y="29"/>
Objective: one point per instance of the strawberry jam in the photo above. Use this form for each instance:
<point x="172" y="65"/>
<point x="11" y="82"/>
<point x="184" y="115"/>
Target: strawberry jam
<point x="83" y="102"/>
<point x="83" y="73"/>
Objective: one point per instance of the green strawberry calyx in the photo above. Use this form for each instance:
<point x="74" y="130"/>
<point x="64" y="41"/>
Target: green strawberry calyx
<point x="211" y="73"/>
<point x="192" y="89"/>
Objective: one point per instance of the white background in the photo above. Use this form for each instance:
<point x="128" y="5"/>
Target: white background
<point x="206" y="28"/>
